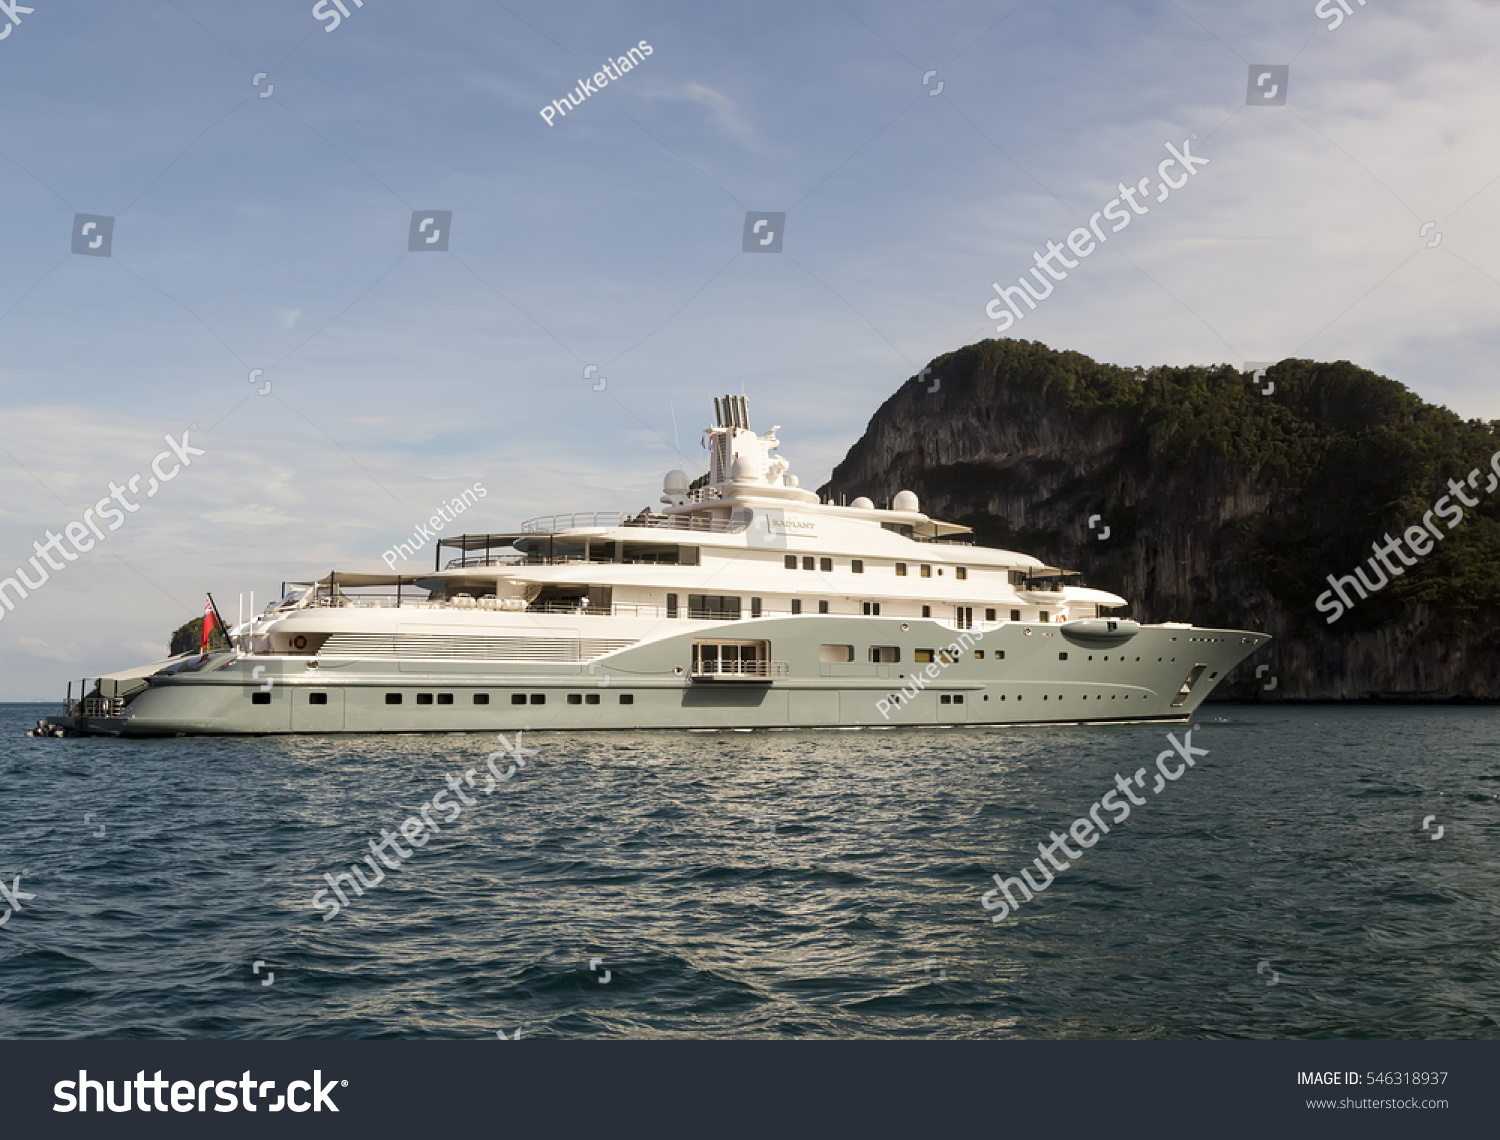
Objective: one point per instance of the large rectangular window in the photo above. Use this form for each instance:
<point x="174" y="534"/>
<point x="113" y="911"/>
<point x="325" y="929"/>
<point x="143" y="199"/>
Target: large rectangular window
<point x="901" y="569"/>
<point x="922" y="656"/>
<point x="926" y="611"/>
<point x="961" y="572"/>
<point x="720" y="607"/>
<point x="885" y="654"/>
<point x="822" y="607"/>
<point x="857" y="566"/>
<point x="989" y="614"/>
<point x="808" y="562"/>
<point x="872" y="609"/>
<point x="1015" y="615"/>
<point x="825" y="565"/>
<point x="755" y="607"/>
<point x="791" y="561"/>
<point x="796" y="605"/>
<point x="835" y="653"/>
<point x="927" y="571"/>
<point x="671" y="605"/>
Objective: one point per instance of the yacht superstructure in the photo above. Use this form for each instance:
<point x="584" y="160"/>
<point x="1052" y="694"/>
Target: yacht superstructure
<point x="743" y="602"/>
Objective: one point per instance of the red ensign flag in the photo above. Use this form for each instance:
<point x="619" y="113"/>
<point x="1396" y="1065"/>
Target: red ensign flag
<point x="208" y="625"/>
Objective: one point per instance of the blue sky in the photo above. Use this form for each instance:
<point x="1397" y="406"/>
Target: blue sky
<point x="271" y="233"/>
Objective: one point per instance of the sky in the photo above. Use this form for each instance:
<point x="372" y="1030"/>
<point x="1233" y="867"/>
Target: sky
<point x="258" y="171"/>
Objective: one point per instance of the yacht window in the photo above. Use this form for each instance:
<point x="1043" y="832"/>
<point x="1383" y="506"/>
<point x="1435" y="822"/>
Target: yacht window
<point x="796" y="605"/>
<point x="822" y="607"/>
<point x="989" y="614"/>
<point x="807" y="562"/>
<point x="825" y="565"/>
<point x="961" y="572"/>
<point x="791" y="562"/>
<point x="1015" y="615"/>
<point x="671" y="605"/>
<point x="945" y="657"/>
<point x="1017" y="577"/>
<point x="627" y="698"/>
<point x="315" y="698"/>
<point x="722" y="607"/>
<point x="518" y="698"/>
<point x="1062" y="656"/>
<point x="575" y="698"/>
<point x="260" y="698"/>
<point x="922" y="657"/>
<point x="979" y="655"/>
<point x="958" y="698"/>
<point x="885" y="654"/>
<point x="999" y="655"/>
<point x="901" y="569"/>
<point x="424" y="698"/>
<point x="926" y="611"/>
<point x="872" y="609"/>
<point x="857" y="566"/>
<point x="927" y="571"/>
<point x="946" y="699"/>
<point x="835" y="653"/>
<point x="538" y="698"/>
<point x="481" y="698"/>
<point x="755" y="607"/>
<point x="390" y="698"/>
<point x="445" y="698"/>
<point x="591" y="698"/>
<point x="1041" y="615"/>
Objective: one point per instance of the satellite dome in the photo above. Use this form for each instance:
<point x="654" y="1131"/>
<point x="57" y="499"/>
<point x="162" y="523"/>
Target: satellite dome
<point x="904" y="501"/>
<point x="676" y="483"/>
<point x="863" y="504"/>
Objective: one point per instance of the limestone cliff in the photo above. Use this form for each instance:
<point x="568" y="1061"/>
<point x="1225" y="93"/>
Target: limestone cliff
<point x="1225" y="505"/>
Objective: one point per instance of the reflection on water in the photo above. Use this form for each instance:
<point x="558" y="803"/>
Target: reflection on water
<point x="774" y="884"/>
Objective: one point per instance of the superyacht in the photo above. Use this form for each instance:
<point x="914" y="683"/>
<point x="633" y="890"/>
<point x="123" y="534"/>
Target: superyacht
<point x="742" y="602"/>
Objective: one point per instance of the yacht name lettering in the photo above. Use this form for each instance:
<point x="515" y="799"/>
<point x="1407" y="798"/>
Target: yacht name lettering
<point x="20" y="585"/>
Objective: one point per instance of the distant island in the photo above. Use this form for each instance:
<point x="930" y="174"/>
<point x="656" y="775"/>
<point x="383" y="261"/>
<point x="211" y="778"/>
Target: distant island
<point x="187" y="638"/>
<point x="1228" y="501"/>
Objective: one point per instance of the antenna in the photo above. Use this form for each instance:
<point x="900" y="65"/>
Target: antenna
<point x="675" y="439"/>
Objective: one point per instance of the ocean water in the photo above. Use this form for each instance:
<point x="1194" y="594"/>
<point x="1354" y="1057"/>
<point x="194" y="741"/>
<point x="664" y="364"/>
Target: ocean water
<point x="762" y="884"/>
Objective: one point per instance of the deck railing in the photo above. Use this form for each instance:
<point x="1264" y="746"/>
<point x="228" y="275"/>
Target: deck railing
<point x="741" y="669"/>
<point x="555" y="524"/>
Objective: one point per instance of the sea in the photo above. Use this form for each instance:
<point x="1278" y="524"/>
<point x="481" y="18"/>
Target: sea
<point x="1318" y="872"/>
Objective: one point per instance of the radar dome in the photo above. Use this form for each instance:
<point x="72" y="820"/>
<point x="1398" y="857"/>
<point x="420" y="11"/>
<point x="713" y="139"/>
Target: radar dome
<point x="863" y="504"/>
<point x="676" y="483"/>
<point x="904" y="501"/>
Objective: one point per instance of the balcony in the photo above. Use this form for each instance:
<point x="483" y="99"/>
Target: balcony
<point x="739" y="670"/>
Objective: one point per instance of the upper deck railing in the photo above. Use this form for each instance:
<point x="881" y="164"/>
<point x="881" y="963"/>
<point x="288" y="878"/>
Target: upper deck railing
<point x="555" y="524"/>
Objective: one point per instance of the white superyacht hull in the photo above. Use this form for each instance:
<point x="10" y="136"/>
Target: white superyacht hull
<point x="1030" y="673"/>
